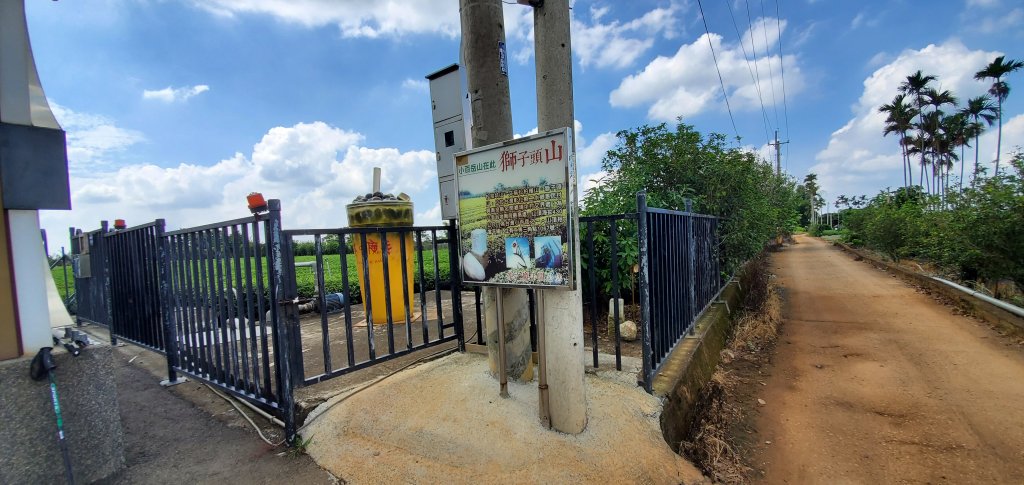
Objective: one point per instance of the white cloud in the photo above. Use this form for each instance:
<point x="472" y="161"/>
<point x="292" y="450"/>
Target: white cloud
<point x="857" y="21"/>
<point x="589" y="181"/>
<point x="683" y="85"/>
<point x="982" y="3"/>
<point x="1008" y="22"/>
<point x="354" y="18"/>
<point x="171" y="95"/>
<point x="858" y="160"/>
<point x="619" y="44"/>
<point x="416" y="85"/>
<point x="314" y="168"/>
<point x="612" y="44"/>
<point x="92" y="139"/>
<point x="1013" y="138"/>
<point x="430" y="217"/>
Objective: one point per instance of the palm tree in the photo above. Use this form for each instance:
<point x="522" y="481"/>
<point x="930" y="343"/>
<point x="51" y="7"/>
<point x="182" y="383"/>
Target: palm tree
<point x="951" y="138"/>
<point x="915" y="146"/>
<point x="938" y="99"/>
<point x="956" y="126"/>
<point x="899" y="120"/>
<point x="811" y="186"/>
<point x="978" y="109"/>
<point x="1000" y="90"/>
<point x="914" y="86"/>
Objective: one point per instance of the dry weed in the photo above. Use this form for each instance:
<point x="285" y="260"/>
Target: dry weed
<point x="709" y="445"/>
<point x="717" y="411"/>
<point x="756" y="330"/>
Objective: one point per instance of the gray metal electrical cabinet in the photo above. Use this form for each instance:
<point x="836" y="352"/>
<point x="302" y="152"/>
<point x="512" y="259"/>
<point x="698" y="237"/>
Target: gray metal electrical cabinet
<point x="447" y="96"/>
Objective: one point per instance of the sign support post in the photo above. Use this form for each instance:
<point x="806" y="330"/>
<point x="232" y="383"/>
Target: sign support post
<point x="502" y="371"/>
<point x="542" y="363"/>
<point x="517" y="229"/>
<point x="564" y="309"/>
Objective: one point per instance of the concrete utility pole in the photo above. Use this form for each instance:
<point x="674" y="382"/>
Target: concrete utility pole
<point x="562" y="310"/>
<point x="483" y="41"/>
<point x="778" y="153"/>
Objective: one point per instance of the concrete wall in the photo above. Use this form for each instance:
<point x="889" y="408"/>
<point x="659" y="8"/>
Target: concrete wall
<point x="10" y="340"/>
<point x="692" y="363"/>
<point x="30" y="280"/>
<point x="29" y="452"/>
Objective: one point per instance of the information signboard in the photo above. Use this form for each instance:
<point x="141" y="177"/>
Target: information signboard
<point x="517" y="213"/>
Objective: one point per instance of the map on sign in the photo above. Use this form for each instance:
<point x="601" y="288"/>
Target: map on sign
<point x="515" y="219"/>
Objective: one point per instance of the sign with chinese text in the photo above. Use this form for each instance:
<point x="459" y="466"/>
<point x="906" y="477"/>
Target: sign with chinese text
<point x="516" y="224"/>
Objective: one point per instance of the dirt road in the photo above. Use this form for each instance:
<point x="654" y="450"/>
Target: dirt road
<point x="874" y="382"/>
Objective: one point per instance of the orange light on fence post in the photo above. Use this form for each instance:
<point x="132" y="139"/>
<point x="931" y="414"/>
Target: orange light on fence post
<point x="119" y="224"/>
<point x="256" y="202"/>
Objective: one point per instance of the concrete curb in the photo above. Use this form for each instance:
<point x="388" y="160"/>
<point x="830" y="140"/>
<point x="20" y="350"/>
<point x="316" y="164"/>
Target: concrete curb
<point x="690" y="366"/>
<point x="974" y="306"/>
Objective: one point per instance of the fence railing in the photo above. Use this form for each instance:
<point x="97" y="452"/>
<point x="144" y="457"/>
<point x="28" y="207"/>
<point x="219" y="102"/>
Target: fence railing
<point x="679" y="278"/>
<point x="222" y="279"/>
<point x="135" y="292"/>
<point x="404" y="313"/>
<point x="222" y="301"/>
<point x="89" y="260"/>
<point x="614" y="232"/>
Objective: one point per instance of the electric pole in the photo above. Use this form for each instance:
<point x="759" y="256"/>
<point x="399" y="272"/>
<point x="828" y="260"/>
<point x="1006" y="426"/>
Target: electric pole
<point x="484" y="55"/>
<point x="562" y="310"/>
<point x="778" y="153"/>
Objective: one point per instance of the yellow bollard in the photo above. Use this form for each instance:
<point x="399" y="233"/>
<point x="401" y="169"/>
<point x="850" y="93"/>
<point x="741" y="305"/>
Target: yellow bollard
<point x="384" y="214"/>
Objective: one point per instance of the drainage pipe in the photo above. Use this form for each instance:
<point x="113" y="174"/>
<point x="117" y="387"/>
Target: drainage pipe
<point x="1016" y="310"/>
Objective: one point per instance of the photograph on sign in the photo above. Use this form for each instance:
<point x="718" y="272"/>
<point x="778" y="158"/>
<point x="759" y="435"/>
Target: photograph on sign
<point x="514" y="215"/>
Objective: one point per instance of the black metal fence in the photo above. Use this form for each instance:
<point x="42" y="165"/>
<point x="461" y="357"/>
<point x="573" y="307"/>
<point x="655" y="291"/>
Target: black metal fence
<point x="89" y="263"/>
<point x="679" y="277"/>
<point x="225" y="286"/>
<point x="222" y="301"/>
<point x="404" y="312"/>
<point x="135" y="300"/>
<point x="607" y="271"/>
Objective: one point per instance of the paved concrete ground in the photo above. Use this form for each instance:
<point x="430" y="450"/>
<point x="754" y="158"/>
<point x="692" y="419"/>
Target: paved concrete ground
<point x="443" y="422"/>
<point x="874" y="382"/>
<point x="186" y="434"/>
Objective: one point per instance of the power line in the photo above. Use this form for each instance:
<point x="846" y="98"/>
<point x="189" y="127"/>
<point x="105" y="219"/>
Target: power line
<point x="753" y="49"/>
<point x="782" y="71"/>
<point x="720" y="80"/>
<point x="757" y="86"/>
<point x="768" y="57"/>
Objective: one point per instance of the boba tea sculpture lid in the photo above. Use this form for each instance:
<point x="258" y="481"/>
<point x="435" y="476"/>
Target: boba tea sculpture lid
<point x="378" y="209"/>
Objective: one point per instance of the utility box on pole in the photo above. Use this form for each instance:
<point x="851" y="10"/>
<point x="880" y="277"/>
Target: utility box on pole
<point x="447" y="95"/>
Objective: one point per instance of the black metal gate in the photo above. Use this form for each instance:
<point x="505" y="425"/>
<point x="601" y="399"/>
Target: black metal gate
<point x="409" y="315"/>
<point x="89" y="263"/>
<point x="224" y="291"/>
<point x="134" y="271"/>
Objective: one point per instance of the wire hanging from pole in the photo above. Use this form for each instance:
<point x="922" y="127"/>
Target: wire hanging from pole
<point x="720" y="80"/>
<point x="757" y="86"/>
<point x="768" y="57"/>
<point x="782" y="74"/>
<point x="753" y="48"/>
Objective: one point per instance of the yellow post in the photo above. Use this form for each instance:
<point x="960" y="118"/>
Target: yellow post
<point x="375" y="260"/>
<point x="384" y="214"/>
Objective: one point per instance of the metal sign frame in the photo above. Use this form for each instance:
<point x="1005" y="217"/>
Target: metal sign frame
<point x="571" y="215"/>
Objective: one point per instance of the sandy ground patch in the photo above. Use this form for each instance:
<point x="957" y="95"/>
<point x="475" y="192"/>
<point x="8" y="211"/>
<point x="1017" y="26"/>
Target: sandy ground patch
<point x="443" y="422"/>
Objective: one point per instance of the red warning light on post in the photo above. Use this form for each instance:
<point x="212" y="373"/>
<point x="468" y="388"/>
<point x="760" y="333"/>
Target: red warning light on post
<point x="256" y="202"/>
<point x="119" y="224"/>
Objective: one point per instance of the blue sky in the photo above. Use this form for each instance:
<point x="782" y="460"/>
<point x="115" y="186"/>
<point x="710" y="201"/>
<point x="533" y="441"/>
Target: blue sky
<point x="178" y="108"/>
